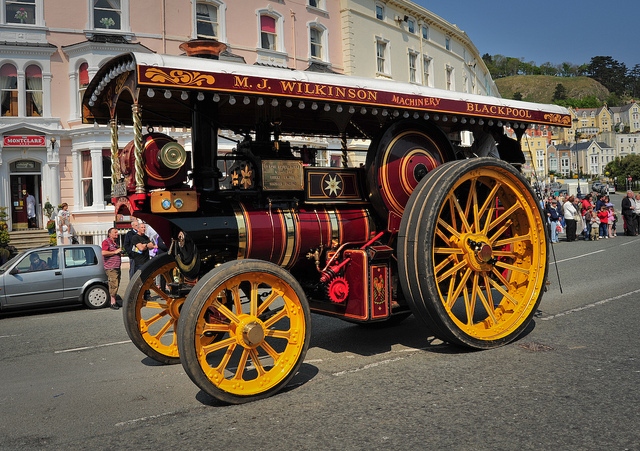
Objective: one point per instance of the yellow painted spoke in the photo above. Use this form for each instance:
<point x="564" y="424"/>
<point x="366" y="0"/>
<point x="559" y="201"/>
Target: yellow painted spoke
<point x="503" y="292"/>
<point x="265" y="304"/>
<point x="449" y="228"/>
<point x="488" y="301"/>
<point x="451" y="271"/>
<point x="156" y="289"/>
<point x="157" y="317"/>
<point x="502" y="217"/>
<point x="256" y="362"/>
<point x="504" y="254"/>
<point x="519" y="269"/>
<point x="224" y="310"/>
<point x="499" y="276"/>
<point x="487" y="221"/>
<point x="285" y="334"/>
<point x="463" y="216"/>
<point x="512" y="240"/>
<point x="453" y="297"/>
<point x="155" y="305"/>
<point x="448" y="250"/>
<point x="270" y="351"/>
<point x="470" y="304"/>
<point x="227" y="355"/>
<point x="237" y="302"/>
<point x="163" y="330"/>
<point x="228" y="342"/>
<point x="216" y="327"/>
<point x="471" y="202"/>
<point x="489" y="201"/>
<point x="253" y="305"/>
<point x="242" y="364"/>
<point x="275" y="318"/>
<point x="500" y="232"/>
<point x="444" y="263"/>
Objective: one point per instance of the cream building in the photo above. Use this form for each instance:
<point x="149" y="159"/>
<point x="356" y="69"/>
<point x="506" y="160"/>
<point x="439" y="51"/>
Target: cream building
<point x="399" y="40"/>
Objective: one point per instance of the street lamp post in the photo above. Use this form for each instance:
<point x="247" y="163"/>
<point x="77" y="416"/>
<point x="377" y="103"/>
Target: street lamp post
<point x="575" y="135"/>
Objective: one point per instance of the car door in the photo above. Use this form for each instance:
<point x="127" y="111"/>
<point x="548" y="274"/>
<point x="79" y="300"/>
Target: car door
<point x="80" y="263"/>
<point x="35" y="279"/>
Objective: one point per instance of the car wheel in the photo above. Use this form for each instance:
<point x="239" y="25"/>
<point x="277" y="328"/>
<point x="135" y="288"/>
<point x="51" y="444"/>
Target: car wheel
<point x="96" y="296"/>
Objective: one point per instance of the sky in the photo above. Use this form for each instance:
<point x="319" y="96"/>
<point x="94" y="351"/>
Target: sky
<point x="546" y="30"/>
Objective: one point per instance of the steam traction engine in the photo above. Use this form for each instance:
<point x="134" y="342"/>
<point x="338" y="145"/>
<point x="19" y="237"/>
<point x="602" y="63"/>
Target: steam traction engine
<point x="262" y="236"/>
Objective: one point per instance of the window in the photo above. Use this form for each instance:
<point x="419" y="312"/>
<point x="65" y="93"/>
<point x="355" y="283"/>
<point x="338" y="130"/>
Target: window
<point x="381" y="57"/>
<point x="34" y="90"/>
<point x="449" y="78"/>
<point x="106" y="176"/>
<point x="9" y="90"/>
<point x="207" y="20"/>
<point x="83" y="82"/>
<point x="315" y="42"/>
<point x="317" y="4"/>
<point x="379" y="12"/>
<point x="107" y="14"/>
<point x="86" y="179"/>
<point x="447" y="43"/>
<point x="426" y="70"/>
<point x="412" y="67"/>
<point x="411" y="26"/>
<point x="425" y="32"/>
<point x="20" y="11"/>
<point x="268" y="32"/>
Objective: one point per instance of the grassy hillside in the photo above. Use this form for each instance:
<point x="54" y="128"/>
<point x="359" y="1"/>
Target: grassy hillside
<point x="540" y="88"/>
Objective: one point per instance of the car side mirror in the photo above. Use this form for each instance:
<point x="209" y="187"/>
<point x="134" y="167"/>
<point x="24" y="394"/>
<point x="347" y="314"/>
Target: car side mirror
<point x="14" y="271"/>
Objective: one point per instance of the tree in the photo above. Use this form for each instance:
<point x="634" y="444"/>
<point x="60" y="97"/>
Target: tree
<point x="609" y="72"/>
<point x="560" y="92"/>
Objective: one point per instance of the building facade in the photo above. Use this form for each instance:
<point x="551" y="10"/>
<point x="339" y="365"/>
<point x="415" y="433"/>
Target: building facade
<point x="399" y="40"/>
<point x="49" y="51"/>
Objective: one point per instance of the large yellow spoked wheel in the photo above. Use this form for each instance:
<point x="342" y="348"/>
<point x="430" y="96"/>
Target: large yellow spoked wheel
<point x="151" y="324"/>
<point x="262" y="318"/>
<point x="472" y="252"/>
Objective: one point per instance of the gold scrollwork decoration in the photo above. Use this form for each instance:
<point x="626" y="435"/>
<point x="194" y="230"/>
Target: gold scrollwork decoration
<point x="558" y="118"/>
<point x="179" y="77"/>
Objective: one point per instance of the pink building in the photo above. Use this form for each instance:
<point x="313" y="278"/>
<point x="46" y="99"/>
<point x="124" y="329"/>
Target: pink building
<point x="49" y="52"/>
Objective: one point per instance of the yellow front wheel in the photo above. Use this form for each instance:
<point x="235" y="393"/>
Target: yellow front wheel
<point x="472" y="252"/>
<point x="261" y="319"/>
<point x="151" y="312"/>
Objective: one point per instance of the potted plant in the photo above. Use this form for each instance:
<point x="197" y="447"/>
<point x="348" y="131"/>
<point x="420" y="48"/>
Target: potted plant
<point x="51" y="224"/>
<point x="6" y="251"/>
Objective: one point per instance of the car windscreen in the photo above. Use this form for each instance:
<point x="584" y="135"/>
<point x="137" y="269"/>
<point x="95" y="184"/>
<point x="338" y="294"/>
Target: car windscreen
<point x="10" y="263"/>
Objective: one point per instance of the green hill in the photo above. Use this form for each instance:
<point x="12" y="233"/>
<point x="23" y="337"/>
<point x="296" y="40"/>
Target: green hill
<point x="540" y="88"/>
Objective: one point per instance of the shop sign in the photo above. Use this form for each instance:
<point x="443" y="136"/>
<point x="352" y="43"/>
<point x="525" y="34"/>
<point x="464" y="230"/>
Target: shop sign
<point x="24" y="141"/>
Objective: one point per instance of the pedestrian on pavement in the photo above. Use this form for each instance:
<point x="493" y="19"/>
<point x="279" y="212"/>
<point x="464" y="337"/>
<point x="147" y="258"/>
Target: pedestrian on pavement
<point x="128" y="245"/>
<point x="553" y="216"/>
<point x="628" y="213"/>
<point x="570" y="216"/>
<point x="112" y="261"/>
<point x="142" y="245"/>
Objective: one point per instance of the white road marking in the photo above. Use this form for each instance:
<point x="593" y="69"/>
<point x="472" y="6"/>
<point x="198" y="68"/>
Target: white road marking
<point x="588" y="306"/>
<point x="84" y="348"/>
<point x="366" y="367"/>
<point x="579" y="256"/>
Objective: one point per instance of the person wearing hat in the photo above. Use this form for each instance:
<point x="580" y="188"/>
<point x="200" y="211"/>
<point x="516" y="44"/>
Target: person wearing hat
<point x="553" y="216"/>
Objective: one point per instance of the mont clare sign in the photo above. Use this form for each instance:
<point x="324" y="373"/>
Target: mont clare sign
<point x="24" y="141"/>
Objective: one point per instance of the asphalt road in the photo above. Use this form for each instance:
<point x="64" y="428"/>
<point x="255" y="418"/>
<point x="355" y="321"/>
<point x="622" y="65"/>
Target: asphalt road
<point x="72" y="380"/>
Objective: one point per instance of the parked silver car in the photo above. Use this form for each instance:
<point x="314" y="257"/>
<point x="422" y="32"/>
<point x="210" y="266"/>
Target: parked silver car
<point x="54" y="275"/>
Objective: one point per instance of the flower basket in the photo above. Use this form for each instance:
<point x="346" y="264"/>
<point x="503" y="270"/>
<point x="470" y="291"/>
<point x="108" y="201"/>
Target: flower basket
<point x="51" y="227"/>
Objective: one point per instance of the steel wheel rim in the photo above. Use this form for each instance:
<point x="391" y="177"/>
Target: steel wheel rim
<point x="479" y="243"/>
<point x="157" y="318"/>
<point x="256" y="348"/>
<point x="97" y="297"/>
